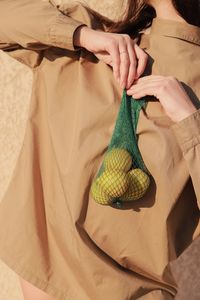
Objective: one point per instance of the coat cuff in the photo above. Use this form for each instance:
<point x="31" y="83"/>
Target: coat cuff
<point x="187" y="131"/>
<point x="61" y="33"/>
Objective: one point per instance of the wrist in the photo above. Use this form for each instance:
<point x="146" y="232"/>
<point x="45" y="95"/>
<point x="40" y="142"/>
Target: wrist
<point x="79" y="36"/>
<point x="185" y="114"/>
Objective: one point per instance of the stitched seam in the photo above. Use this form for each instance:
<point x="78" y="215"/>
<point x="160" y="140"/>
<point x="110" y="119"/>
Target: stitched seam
<point x="188" y="145"/>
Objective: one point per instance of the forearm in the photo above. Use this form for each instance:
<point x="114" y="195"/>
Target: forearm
<point x="187" y="133"/>
<point x="35" y="25"/>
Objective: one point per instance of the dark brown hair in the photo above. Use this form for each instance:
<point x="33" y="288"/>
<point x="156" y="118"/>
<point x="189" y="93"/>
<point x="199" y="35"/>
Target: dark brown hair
<point x="189" y="10"/>
<point x="136" y="17"/>
<point x="139" y="15"/>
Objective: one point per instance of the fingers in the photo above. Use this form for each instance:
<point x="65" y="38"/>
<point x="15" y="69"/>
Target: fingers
<point x="154" y="85"/>
<point x="141" y="90"/>
<point x="124" y="61"/>
<point x="133" y="62"/>
<point x="142" y="58"/>
<point x="128" y="60"/>
<point x="113" y="50"/>
<point x="133" y="65"/>
<point x="147" y="84"/>
<point x="124" y="64"/>
<point x="149" y="78"/>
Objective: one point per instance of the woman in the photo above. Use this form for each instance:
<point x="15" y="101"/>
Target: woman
<point x="79" y="249"/>
<point x="30" y="31"/>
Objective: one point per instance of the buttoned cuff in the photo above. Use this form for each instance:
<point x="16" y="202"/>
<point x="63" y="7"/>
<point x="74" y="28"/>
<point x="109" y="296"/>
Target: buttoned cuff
<point x="187" y="131"/>
<point x="61" y="33"/>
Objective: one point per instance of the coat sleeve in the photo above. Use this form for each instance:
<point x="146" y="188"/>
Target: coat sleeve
<point x="187" y="133"/>
<point x="35" y="25"/>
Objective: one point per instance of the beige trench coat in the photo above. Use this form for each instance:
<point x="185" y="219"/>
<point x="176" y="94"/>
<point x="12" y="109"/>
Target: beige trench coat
<point x="52" y="232"/>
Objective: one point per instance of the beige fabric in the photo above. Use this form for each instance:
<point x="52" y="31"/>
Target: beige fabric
<point x="15" y="92"/>
<point x="112" y="8"/>
<point x="70" y="246"/>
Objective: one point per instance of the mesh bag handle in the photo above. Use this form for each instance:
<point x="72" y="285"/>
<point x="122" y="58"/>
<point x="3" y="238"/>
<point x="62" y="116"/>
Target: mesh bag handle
<point x="124" y="135"/>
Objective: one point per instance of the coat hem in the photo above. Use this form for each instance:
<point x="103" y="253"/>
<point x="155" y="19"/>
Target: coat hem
<point x="35" y="280"/>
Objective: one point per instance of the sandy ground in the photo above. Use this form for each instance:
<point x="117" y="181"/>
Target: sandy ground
<point x="15" y="91"/>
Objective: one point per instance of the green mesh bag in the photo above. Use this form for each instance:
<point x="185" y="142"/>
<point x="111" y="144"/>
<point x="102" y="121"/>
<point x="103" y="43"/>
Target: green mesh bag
<point x="123" y="175"/>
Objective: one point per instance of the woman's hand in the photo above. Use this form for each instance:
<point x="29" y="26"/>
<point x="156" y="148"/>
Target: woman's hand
<point x="117" y="50"/>
<point x="169" y="91"/>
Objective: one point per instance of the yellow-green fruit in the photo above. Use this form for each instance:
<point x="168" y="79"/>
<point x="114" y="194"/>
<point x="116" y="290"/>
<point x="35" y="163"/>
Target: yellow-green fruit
<point x="99" y="195"/>
<point x="118" y="159"/>
<point x="114" y="183"/>
<point x="139" y="183"/>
